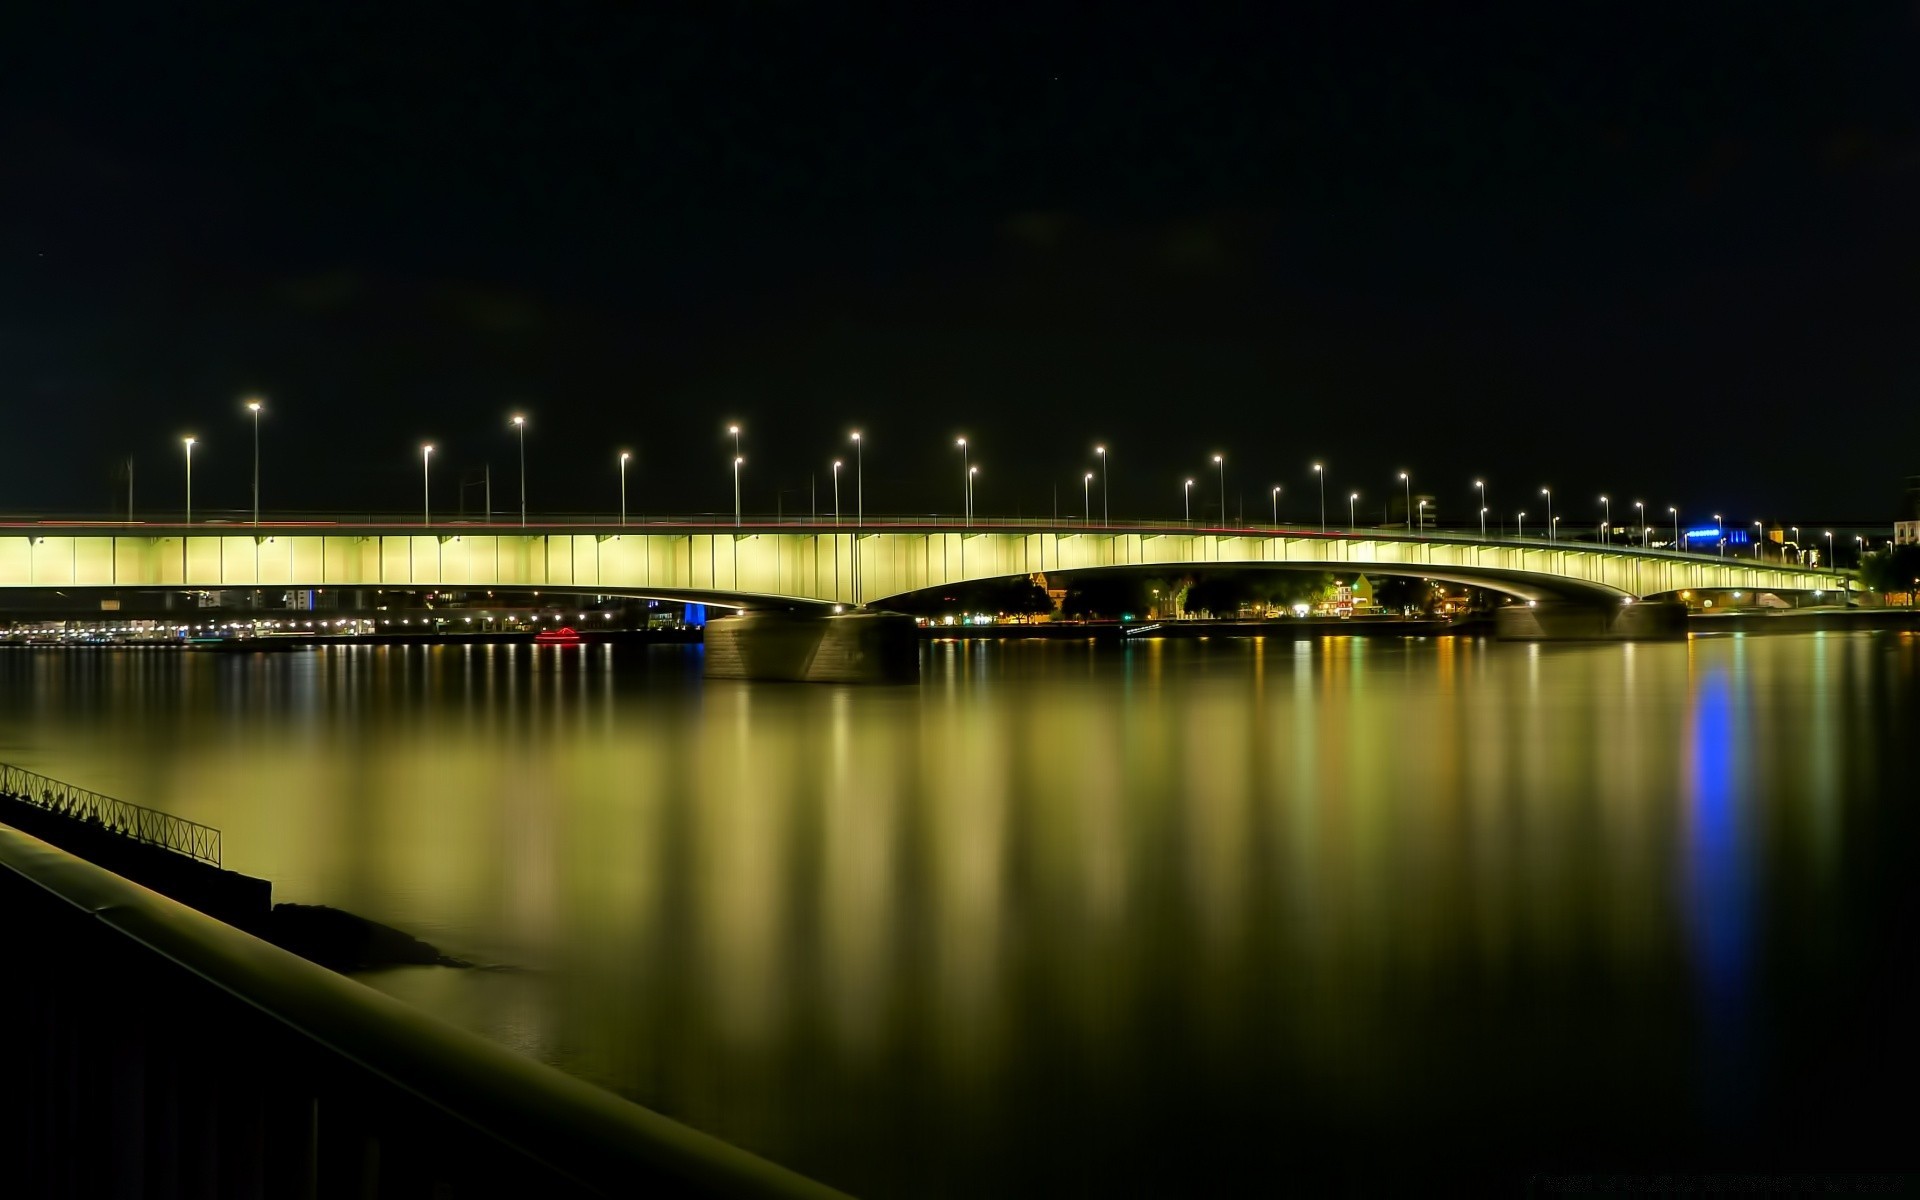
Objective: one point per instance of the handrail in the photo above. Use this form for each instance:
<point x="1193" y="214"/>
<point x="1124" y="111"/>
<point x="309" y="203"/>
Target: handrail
<point x="136" y="821"/>
<point x="576" y="1131"/>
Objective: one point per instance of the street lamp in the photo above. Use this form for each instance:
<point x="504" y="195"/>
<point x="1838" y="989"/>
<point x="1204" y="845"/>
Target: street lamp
<point x="1675" y="514"/>
<point x="1276" y="504"/>
<point x="1606" y="530"/>
<point x="1482" y="485"/>
<point x="859" y="506"/>
<point x="1640" y="519"/>
<point x="1409" y="489"/>
<point x="1830" y="563"/>
<point x="1186" y="502"/>
<point x="188" y="443"/>
<point x="253" y="406"/>
<point x="1423" y="514"/>
<point x="520" y="427"/>
<point x="1105" y="514"/>
<point x="1353" y="517"/>
<point x="624" y="456"/>
<point x="1548" y="493"/>
<point x="1859" y="550"/>
<point x="1086" y="497"/>
<point x="1721" y="526"/>
<point x="734" y="431"/>
<point x="966" y="478"/>
<point x="1520" y="527"/>
<point x="836" y="493"/>
<point x="1321" y="473"/>
<point x="426" y="485"/>
<point x="1759" y="535"/>
<point x="1221" y="462"/>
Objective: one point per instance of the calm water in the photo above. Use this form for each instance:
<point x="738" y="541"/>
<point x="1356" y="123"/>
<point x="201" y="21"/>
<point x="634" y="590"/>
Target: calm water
<point x="1063" y="918"/>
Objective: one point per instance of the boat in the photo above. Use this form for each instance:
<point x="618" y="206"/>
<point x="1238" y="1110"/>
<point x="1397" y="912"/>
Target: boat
<point x="566" y="635"/>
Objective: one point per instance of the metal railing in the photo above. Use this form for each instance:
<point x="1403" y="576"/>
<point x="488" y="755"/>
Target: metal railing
<point x="135" y="821"/>
<point x="154" y="1050"/>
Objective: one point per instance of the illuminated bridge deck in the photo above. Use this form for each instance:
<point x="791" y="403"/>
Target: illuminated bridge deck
<point x="761" y="563"/>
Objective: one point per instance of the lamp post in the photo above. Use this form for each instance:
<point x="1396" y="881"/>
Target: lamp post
<point x="1799" y="554"/>
<point x="1086" y="497"/>
<point x="520" y="427"/>
<point x="1408" y="484"/>
<point x="1106" y="517"/>
<point x="1759" y="535"/>
<point x="1321" y="473"/>
<point x="188" y="443"/>
<point x="836" y="493"/>
<point x="1221" y="462"/>
<point x="1859" y="550"/>
<point x="1553" y="529"/>
<point x="253" y="406"/>
<point x="1520" y="527"/>
<point x="1276" y="504"/>
<point x="1482" y="485"/>
<point x="1186" y="502"/>
<point x="1830" y="563"/>
<point x="624" y="456"/>
<point x="1606" y="530"/>
<point x="1674" y="512"/>
<point x="1548" y="493"/>
<point x="1640" y="519"/>
<point x="859" y="506"/>
<point x="426" y="485"/>
<point x="966" y="480"/>
<point x="737" y="460"/>
<point x="1721" y="527"/>
<point x="1423" y="514"/>
<point x="1353" y="516"/>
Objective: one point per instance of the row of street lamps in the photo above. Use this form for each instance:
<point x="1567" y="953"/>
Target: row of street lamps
<point x="1415" y="521"/>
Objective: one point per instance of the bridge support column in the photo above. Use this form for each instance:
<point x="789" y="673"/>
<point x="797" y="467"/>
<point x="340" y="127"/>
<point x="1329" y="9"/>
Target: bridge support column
<point x="1564" y="620"/>
<point x="856" y="647"/>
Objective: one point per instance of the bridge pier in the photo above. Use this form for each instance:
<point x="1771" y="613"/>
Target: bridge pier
<point x="1565" y="620"/>
<point x="858" y="647"/>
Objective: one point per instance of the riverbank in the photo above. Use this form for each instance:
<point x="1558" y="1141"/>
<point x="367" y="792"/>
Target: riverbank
<point x="1754" y="621"/>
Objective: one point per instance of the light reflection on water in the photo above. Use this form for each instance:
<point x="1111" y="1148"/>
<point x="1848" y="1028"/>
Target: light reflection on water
<point x="1062" y="908"/>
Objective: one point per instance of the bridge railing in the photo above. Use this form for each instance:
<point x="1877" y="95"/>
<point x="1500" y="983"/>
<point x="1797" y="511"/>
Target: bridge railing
<point x="135" y="821"/>
<point x="154" y="1050"/>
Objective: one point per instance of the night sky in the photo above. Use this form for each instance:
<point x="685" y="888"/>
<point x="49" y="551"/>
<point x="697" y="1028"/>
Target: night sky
<point x="1672" y="256"/>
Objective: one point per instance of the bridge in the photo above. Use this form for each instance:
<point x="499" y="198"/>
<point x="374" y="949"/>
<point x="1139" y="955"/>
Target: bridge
<point x="762" y="564"/>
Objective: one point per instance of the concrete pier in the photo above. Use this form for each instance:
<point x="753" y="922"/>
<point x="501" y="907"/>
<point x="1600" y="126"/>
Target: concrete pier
<point x="859" y="647"/>
<point x="1556" y="621"/>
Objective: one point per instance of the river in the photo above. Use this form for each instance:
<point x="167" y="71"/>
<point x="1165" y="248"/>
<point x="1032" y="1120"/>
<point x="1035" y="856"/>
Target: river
<point x="1067" y="918"/>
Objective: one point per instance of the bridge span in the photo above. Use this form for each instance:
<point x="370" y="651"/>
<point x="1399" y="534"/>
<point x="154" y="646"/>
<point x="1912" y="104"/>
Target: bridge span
<point x="787" y="564"/>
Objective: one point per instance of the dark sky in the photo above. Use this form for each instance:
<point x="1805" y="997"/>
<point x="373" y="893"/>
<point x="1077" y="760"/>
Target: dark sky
<point x="1669" y="251"/>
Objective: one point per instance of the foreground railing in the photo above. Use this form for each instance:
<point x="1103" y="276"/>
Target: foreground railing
<point x="155" y="1051"/>
<point x="142" y="824"/>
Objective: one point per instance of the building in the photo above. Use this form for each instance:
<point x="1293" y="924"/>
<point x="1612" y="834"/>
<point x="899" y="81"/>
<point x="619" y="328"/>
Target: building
<point x="1906" y="532"/>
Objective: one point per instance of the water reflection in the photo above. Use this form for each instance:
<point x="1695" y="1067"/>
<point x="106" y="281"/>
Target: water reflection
<point x="1061" y="907"/>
